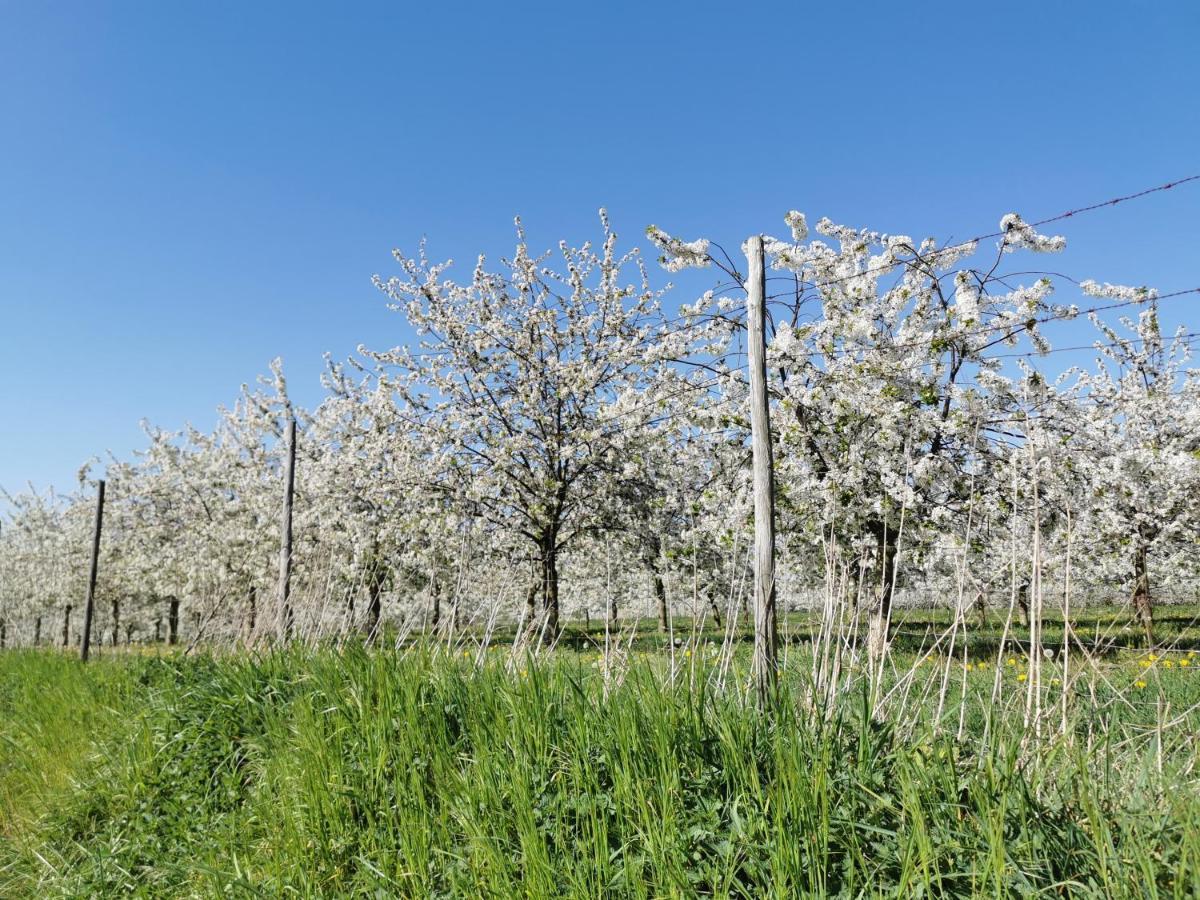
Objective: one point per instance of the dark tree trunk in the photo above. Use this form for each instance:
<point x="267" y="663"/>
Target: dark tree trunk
<point x="980" y="605"/>
<point x="1023" y="603"/>
<point x="435" y="598"/>
<point x="3" y="633"/>
<point x="37" y="631"/>
<point x="652" y="555"/>
<point x="550" y="587"/>
<point x="714" y="608"/>
<point x="66" y="629"/>
<point x="883" y="578"/>
<point x="1141" y="594"/>
<point x="251" y="610"/>
<point x="660" y="596"/>
<point x="173" y="622"/>
<point x="531" y="605"/>
<point x="116" y="620"/>
<point x="374" y="603"/>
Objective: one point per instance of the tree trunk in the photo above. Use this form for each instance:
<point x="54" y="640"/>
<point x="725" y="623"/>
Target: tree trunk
<point x="3" y="633"/>
<point x="660" y="594"/>
<point x="1141" y="594"/>
<point x="714" y="608"/>
<point x="374" y="604"/>
<point x="116" y="620"/>
<point x="531" y="605"/>
<point x="550" y="587"/>
<point x="880" y="614"/>
<point x="251" y="611"/>
<point x="173" y="622"/>
<point x="37" y="631"/>
<point x="980" y="605"/>
<point x="66" y="629"/>
<point x="652" y="556"/>
<point x="435" y="598"/>
<point x="1023" y="603"/>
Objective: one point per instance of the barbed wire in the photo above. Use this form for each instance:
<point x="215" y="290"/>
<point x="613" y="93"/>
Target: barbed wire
<point x="974" y="241"/>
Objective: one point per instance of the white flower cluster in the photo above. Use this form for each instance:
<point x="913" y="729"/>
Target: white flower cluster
<point x="1117" y="291"/>
<point x="678" y="254"/>
<point x="1018" y="235"/>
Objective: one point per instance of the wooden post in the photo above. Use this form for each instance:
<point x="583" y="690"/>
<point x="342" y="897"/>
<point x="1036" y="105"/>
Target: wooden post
<point x="116" y="619"/>
<point x="173" y="622"/>
<point x="89" y="601"/>
<point x="285" y="541"/>
<point x="66" y="631"/>
<point x="3" y="633"/>
<point x="765" y="638"/>
<point x="37" y="632"/>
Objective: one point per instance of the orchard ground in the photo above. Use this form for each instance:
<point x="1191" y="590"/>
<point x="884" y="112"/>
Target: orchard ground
<point x="631" y="766"/>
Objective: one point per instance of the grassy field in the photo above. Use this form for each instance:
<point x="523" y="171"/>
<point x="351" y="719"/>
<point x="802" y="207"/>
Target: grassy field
<point x="322" y="772"/>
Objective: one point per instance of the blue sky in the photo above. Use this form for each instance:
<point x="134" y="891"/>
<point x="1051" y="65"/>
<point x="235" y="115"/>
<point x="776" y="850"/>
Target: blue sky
<point x="190" y="189"/>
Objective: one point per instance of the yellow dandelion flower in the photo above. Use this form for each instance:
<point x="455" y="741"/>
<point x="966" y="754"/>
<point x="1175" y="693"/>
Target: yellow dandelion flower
<point x="970" y="667"/>
<point x="1167" y="664"/>
<point x="1022" y="677"/>
<point x="1011" y="661"/>
<point x="1139" y="684"/>
<point x="687" y="652"/>
<point x="1152" y="657"/>
<point x="1144" y="663"/>
<point x="1184" y="663"/>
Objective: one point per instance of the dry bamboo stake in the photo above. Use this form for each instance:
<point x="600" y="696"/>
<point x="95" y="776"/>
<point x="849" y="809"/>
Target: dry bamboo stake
<point x="1033" y="687"/>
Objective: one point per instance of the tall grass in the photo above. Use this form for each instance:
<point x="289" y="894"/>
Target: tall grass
<point x="323" y="773"/>
<point x="54" y="714"/>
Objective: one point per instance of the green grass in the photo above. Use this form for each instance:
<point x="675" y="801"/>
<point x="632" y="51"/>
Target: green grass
<point x="323" y="773"/>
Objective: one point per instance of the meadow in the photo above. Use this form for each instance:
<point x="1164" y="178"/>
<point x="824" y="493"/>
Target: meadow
<point x="632" y="768"/>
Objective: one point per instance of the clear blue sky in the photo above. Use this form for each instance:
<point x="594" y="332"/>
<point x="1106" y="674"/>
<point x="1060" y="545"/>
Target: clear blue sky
<point x="190" y="189"/>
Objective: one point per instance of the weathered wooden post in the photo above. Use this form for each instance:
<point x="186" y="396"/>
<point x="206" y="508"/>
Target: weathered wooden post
<point x="89" y="602"/>
<point x="285" y="537"/>
<point x="765" y="638"/>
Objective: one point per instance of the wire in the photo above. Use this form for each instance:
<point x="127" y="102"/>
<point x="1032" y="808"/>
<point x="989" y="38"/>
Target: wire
<point x="962" y="245"/>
